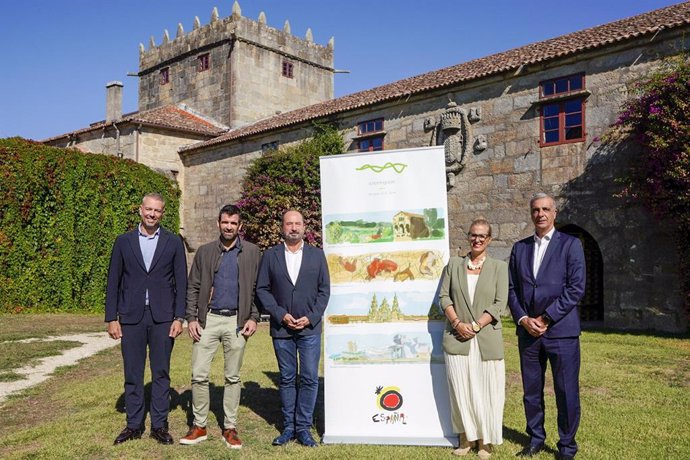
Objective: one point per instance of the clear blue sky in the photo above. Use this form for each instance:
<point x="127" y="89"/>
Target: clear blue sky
<point x="58" y="55"/>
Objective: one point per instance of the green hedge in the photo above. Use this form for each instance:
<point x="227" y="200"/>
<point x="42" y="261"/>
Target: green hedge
<point x="60" y="211"/>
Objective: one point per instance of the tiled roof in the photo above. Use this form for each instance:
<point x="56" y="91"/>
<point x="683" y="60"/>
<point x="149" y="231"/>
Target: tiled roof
<point x="587" y="39"/>
<point x="166" y="117"/>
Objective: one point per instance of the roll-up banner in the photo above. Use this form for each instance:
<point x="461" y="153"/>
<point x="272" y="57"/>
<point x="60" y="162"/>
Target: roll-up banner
<point x="385" y="235"/>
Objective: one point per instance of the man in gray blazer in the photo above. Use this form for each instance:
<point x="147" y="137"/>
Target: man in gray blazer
<point x="293" y="287"/>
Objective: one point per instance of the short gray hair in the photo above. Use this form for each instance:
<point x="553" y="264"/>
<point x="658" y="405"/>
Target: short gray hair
<point x="539" y="196"/>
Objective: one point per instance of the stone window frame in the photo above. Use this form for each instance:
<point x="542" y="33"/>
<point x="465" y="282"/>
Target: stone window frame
<point x="288" y="69"/>
<point x="165" y="76"/>
<point x="203" y="62"/>
<point x="561" y="101"/>
<point x="370" y="135"/>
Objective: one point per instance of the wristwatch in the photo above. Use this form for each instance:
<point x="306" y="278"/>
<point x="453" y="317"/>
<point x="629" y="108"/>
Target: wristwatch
<point x="476" y="327"/>
<point x="179" y="318"/>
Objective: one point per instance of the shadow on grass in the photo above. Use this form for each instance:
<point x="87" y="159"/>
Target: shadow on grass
<point x="599" y="327"/>
<point x="181" y="400"/>
<point x="521" y="439"/>
<point x="263" y="401"/>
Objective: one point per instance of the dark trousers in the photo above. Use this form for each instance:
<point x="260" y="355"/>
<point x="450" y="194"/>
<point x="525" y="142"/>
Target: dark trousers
<point x="563" y="354"/>
<point x="135" y="340"/>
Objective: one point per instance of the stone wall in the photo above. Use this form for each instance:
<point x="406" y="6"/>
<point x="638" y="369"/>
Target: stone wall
<point x="639" y="261"/>
<point x="244" y="81"/>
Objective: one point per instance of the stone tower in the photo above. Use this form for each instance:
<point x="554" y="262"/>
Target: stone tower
<point x="235" y="70"/>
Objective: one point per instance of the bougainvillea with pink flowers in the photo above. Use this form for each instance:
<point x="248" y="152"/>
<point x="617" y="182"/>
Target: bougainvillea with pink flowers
<point x="287" y="178"/>
<point x="658" y="120"/>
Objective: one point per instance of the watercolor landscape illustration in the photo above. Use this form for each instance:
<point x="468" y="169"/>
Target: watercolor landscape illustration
<point x="383" y="307"/>
<point x="386" y="227"/>
<point x="407" y="347"/>
<point x="396" y="266"/>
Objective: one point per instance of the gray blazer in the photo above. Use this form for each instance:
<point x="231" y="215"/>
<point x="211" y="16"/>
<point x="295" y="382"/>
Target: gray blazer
<point x="491" y="295"/>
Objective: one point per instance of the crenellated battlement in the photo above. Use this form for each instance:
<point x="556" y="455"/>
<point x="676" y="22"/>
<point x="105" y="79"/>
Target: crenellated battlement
<point x="239" y="28"/>
<point x="235" y="70"/>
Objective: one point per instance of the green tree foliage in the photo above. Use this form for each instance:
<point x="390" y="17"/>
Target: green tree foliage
<point x="60" y="211"/>
<point x="373" y="314"/>
<point x="283" y="179"/>
<point x="657" y="118"/>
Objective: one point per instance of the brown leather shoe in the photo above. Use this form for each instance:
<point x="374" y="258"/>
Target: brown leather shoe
<point x="128" y="434"/>
<point x="161" y="435"/>
<point x="195" y="435"/>
<point x="231" y="439"/>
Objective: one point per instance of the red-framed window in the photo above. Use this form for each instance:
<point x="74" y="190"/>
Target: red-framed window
<point x="203" y="62"/>
<point x="373" y="133"/>
<point x="369" y="127"/>
<point x="165" y="75"/>
<point x="563" y="120"/>
<point x="288" y="69"/>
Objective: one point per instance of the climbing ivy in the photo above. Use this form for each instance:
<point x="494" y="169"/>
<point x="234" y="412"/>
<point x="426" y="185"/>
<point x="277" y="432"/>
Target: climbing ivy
<point x="60" y="211"/>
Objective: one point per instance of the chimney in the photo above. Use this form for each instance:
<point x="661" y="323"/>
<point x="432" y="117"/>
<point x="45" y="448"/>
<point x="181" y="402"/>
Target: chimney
<point x="113" y="101"/>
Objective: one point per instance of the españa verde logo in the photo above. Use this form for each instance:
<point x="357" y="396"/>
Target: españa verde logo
<point x="397" y="167"/>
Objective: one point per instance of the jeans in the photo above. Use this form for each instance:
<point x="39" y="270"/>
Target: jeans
<point x="298" y="401"/>
<point x="219" y="329"/>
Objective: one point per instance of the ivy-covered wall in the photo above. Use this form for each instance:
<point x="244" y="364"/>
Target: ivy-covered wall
<point x="60" y="211"/>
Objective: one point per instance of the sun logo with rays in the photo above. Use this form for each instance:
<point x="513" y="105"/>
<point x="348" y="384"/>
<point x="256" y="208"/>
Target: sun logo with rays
<point x="388" y="398"/>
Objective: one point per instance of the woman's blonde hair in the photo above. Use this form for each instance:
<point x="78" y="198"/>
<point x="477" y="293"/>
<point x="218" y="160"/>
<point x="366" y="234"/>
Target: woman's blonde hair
<point x="481" y="221"/>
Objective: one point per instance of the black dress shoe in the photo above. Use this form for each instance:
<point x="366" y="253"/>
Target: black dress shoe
<point x="566" y="457"/>
<point x="128" y="434"/>
<point x="161" y="435"/>
<point x="531" y="451"/>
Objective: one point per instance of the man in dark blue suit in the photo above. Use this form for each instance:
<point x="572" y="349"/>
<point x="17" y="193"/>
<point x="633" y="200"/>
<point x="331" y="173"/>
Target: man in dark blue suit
<point x="547" y="280"/>
<point x="145" y="304"/>
<point x="293" y="286"/>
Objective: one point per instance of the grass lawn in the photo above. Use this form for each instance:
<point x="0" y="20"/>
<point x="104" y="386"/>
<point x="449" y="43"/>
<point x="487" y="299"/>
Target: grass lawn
<point x="635" y="404"/>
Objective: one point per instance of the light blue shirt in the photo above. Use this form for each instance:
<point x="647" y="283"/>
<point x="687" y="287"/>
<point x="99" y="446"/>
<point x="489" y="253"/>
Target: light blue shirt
<point x="148" y="244"/>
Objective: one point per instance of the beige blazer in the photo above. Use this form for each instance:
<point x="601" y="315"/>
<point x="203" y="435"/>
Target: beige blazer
<point x="491" y="295"/>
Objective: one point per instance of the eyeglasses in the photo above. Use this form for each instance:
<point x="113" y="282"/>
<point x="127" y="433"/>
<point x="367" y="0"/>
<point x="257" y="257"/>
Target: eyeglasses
<point x="477" y="236"/>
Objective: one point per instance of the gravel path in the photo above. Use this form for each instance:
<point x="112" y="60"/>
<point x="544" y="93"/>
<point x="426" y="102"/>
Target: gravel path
<point x="92" y="343"/>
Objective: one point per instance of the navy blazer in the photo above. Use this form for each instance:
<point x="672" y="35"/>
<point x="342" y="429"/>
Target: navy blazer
<point x="557" y="288"/>
<point x="276" y="295"/>
<point x="128" y="280"/>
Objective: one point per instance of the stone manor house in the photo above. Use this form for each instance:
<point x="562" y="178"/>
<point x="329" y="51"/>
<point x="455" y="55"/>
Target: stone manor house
<point x="527" y="119"/>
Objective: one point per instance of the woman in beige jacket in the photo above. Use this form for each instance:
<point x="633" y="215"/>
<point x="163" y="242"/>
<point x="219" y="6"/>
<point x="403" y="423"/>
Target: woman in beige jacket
<point x="474" y="292"/>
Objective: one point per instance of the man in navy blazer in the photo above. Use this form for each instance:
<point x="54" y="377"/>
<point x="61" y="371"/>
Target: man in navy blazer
<point x="547" y="280"/>
<point x="293" y="287"/>
<point x="144" y="306"/>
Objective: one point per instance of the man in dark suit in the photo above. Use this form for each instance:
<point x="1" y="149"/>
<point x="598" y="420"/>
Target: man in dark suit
<point x="293" y="286"/>
<point x="145" y="305"/>
<point x="547" y="280"/>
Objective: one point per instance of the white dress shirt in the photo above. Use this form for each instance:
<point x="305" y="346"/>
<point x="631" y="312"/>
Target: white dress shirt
<point x="293" y="260"/>
<point x="540" y="245"/>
